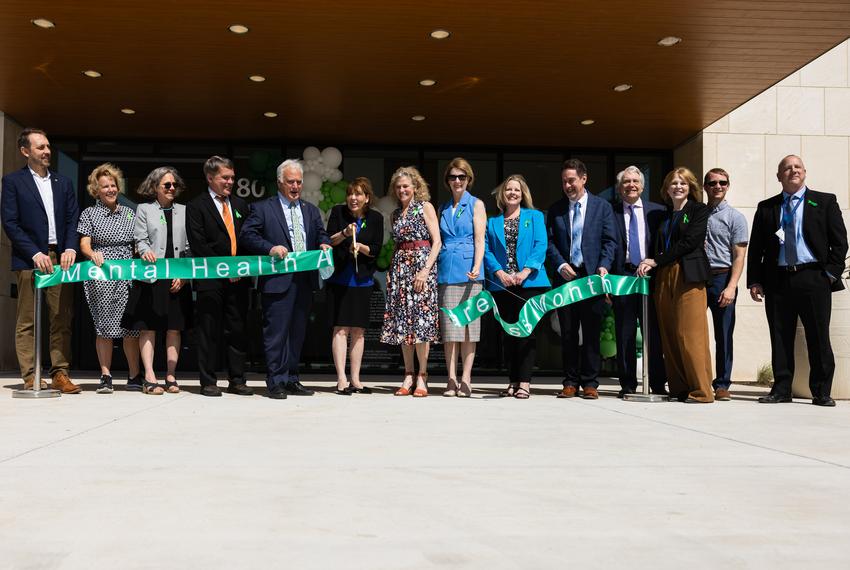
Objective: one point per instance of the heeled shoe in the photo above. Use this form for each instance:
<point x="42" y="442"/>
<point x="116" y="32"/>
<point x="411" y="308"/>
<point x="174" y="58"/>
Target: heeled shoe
<point x="451" y="388"/>
<point x="421" y="392"/>
<point x="465" y="389"/>
<point x="405" y="387"/>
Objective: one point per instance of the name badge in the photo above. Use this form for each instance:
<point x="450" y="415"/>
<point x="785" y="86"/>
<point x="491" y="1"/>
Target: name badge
<point x="780" y="233"/>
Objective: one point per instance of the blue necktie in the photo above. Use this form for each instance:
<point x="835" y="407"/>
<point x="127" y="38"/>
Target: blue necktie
<point x="790" y="233"/>
<point x="634" y="238"/>
<point x="575" y="244"/>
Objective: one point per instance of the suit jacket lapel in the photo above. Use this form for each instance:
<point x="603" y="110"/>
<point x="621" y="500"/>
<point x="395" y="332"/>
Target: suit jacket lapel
<point x="500" y="231"/>
<point x="277" y="208"/>
<point x="213" y="211"/>
<point x="58" y="202"/>
<point x="447" y="216"/>
<point x="28" y="180"/>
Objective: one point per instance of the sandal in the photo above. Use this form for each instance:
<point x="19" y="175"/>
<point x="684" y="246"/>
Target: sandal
<point x="152" y="388"/>
<point x="522" y="394"/>
<point x="421" y="392"/>
<point x="451" y="388"/>
<point x="405" y="387"/>
<point x="510" y="391"/>
<point x="171" y="387"/>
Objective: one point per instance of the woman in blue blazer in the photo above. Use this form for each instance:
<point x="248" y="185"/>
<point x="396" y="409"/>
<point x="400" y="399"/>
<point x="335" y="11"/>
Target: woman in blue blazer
<point x="514" y="257"/>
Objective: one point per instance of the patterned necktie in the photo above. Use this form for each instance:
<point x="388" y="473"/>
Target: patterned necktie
<point x="575" y="244"/>
<point x="228" y="223"/>
<point x="634" y="238"/>
<point x="790" y="232"/>
<point x="297" y="227"/>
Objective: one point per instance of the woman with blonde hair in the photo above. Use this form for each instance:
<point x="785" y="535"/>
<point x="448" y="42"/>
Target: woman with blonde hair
<point x="106" y="232"/>
<point x="410" y="317"/>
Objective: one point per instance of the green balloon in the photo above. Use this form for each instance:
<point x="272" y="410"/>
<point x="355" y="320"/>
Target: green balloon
<point x="337" y="195"/>
<point x="608" y="348"/>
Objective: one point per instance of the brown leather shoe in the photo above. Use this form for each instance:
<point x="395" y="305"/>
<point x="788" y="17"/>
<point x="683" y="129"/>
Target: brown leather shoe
<point x="62" y="383"/>
<point x="590" y="393"/>
<point x="722" y="395"/>
<point x="568" y="392"/>
<point x="28" y="384"/>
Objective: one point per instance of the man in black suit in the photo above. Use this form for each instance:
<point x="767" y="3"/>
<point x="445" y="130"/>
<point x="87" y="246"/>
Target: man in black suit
<point x="40" y="213"/>
<point x="582" y="240"/>
<point x="276" y="226"/>
<point x="796" y="259"/>
<point x="214" y="221"/>
<point x="637" y="223"/>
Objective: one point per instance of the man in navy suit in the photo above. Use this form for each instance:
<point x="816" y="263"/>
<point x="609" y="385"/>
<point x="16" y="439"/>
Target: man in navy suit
<point x="276" y="226"/>
<point x="40" y="214"/>
<point x="582" y="240"/>
<point x="637" y="222"/>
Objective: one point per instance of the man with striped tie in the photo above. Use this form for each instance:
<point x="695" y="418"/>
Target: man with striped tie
<point x="582" y="241"/>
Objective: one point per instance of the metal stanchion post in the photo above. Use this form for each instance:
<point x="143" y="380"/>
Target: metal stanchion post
<point x="36" y="391"/>
<point x="644" y="395"/>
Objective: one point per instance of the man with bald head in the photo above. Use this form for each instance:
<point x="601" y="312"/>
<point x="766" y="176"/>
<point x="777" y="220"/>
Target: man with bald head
<point x="797" y="252"/>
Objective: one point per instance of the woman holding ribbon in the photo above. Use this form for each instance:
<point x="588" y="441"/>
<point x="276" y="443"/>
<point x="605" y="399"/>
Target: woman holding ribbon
<point x="463" y="222"/>
<point x="165" y="305"/>
<point x="356" y="233"/>
<point x="681" y="271"/>
<point x="410" y="317"/>
<point x="106" y="232"/>
<point x="514" y="258"/>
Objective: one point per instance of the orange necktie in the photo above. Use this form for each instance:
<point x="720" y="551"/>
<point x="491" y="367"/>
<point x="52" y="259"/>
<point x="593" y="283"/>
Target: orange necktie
<point x="228" y="223"/>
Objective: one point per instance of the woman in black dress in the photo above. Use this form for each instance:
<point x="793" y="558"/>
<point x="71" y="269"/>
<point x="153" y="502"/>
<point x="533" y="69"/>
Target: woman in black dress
<point x="163" y="306"/>
<point x="350" y="287"/>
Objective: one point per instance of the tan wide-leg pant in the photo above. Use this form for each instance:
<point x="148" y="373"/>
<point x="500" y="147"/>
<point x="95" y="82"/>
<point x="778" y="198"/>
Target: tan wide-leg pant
<point x="682" y="321"/>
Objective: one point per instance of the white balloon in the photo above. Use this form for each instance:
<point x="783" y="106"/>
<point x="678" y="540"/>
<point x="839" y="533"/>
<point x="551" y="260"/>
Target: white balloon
<point x="312" y="181"/>
<point x="335" y="175"/>
<point x="332" y="157"/>
<point x="386" y="205"/>
<point x="311" y="153"/>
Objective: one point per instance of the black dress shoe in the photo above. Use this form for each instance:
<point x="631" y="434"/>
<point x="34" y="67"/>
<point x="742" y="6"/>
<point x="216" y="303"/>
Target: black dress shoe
<point x="347" y="391"/>
<point x="625" y="391"/>
<point x="211" y="390"/>
<point x="363" y="390"/>
<point x="277" y="392"/>
<point x="297" y="389"/>
<point x="240" y="389"/>
<point x="659" y="391"/>
<point x="774" y="399"/>
<point x="826" y="402"/>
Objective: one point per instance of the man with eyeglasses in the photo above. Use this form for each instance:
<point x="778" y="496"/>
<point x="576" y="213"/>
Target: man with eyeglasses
<point x="797" y="252"/>
<point x="726" y="248"/>
<point x="277" y="226"/>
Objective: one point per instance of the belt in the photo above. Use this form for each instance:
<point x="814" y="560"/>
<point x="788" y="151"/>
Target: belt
<point x="799" y="267"/>
<point x="630" y="268"/>
<point x="414" y="244"/>
<point x="719" y="270"/>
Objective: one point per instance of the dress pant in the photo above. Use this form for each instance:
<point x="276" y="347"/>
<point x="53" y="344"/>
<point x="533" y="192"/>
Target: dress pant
<point x="724" y="327"/>
<point x="683" y="324"/>
<point x="805" y="294"/>
<point x="581" y="364"/>
<point x="628" y="310"/>
<point x="519" y="352"/>
<point x="285" y="317"/>
<point x="220" y="314"/>
<point x="59" y="301"/>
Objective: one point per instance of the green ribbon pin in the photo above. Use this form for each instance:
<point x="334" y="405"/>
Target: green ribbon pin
<point x="162" y="218"/>
<point x="812" y="203"/>
<point x="238" y="215"/>
<point x="685" y="219"/>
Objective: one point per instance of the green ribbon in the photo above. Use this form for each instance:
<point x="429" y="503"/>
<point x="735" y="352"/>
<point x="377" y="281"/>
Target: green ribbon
<point x="534" y="309"/>
<point x="186" y="268"/>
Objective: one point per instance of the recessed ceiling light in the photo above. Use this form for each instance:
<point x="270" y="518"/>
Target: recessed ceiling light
<point x="669" y="41"/>
<point x="418" y="117"/>
<point x="92" y="73"/>
<point x="440" y="34"/>
<point x="587" y="122"/>
<point x="257" y="78"/>
<point x="427" y="82"/>
<point x="43" y="23"/>
<point x="622" y="87"/>
<point x="238" y="29"/>
<point x="128" y="111"/>
<point x="270" y="114"/>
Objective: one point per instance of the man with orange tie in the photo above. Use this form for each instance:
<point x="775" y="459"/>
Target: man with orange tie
<point x="214" y="221"/>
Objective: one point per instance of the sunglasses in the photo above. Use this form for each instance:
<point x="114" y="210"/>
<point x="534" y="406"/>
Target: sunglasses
<point x="723" y="183"/>
<point x="169" y="185"/>
<point x="461" y="177"/>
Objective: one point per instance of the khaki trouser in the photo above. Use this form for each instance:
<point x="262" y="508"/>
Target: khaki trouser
<point x="683" y="325"/>
<point x="60" y="310"/>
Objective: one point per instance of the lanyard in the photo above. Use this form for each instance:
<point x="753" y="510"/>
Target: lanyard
<point x="786" y="218"/>
<point x="669" y="233"/>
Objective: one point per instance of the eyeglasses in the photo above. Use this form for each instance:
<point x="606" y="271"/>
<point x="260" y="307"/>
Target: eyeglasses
<point x="723" y="183"/>
<point x="169" y="185"/>
<point x="461" y="177"/>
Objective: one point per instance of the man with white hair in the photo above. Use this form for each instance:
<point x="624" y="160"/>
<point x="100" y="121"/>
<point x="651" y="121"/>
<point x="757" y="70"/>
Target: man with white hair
<point x="277" y="226"/>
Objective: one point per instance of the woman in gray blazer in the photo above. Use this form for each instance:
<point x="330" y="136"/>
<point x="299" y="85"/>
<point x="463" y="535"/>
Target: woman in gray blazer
<point x="163" y="306"/>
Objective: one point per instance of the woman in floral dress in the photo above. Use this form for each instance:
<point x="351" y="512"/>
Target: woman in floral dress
<point x="411" y="315"/>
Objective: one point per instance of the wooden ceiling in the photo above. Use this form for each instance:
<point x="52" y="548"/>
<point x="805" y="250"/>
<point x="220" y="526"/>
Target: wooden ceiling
<point x="515" y="73"/>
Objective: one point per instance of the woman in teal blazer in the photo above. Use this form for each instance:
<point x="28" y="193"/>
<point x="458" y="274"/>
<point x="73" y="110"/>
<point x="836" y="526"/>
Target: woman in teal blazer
<point x="514" y="256"/>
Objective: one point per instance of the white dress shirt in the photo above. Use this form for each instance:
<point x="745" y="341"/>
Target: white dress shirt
<point x="627" y="217"/>
<point x="45" y="190"/>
